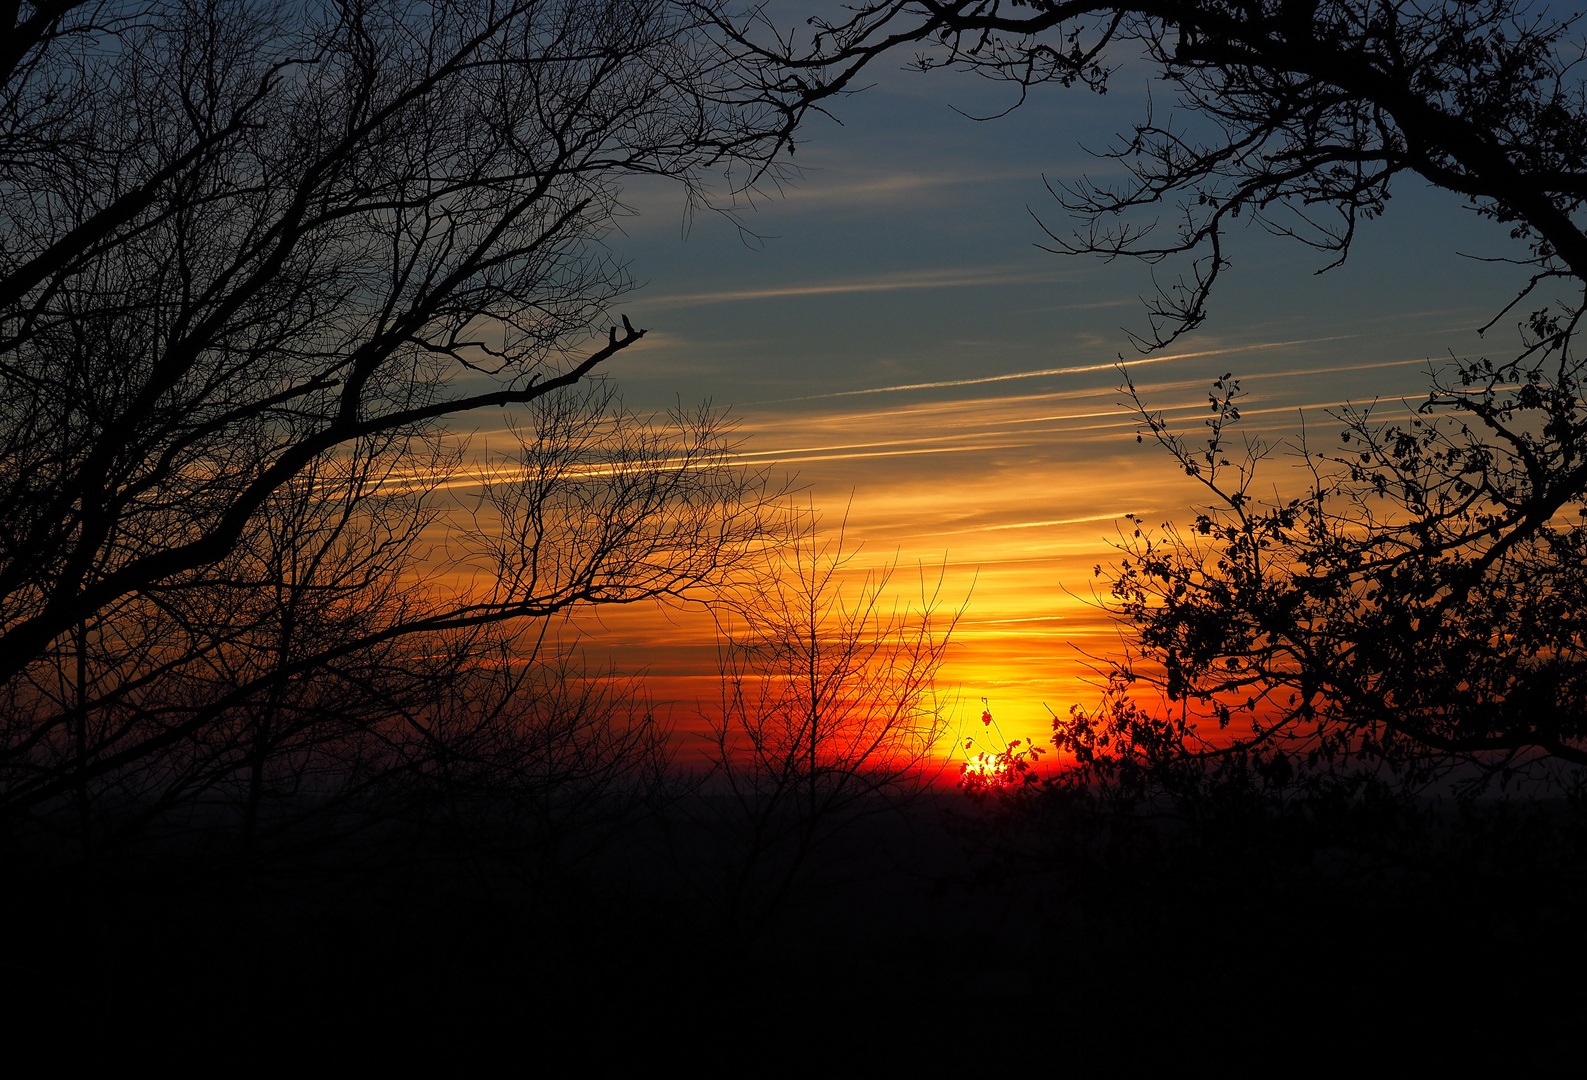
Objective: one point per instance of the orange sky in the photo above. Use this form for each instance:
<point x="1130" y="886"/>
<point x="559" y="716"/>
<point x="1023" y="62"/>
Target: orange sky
<point x="893" y="341"/>
<point x="1015" y="486"/>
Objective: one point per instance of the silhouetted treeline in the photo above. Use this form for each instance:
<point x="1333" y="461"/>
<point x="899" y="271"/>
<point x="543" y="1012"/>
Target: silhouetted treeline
<point x="1054" y="924"/>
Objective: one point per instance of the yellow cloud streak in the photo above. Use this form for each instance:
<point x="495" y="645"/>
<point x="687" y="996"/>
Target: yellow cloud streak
<point x="1044" y="372"/>
<point x="967" y="488"/>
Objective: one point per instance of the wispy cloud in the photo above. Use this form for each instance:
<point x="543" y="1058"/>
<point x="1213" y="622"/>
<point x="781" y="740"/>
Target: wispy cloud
<point x="1334" y="369"/>
<point x="818" y="189"/>
<point x="912" y="452"/>
<point x="954" y="278"/>
<point x="1057" y="521"/>
<point x="1043" y="372"/>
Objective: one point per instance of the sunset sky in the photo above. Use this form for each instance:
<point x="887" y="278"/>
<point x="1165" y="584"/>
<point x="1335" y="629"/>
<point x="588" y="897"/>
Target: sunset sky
<point x="897" y="343"/>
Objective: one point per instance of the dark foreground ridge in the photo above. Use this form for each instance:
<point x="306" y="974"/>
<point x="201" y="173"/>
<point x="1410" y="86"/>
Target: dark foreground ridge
<point x="943" y="933"/>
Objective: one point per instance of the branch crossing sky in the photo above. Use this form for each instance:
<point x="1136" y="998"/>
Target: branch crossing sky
<point x="896" y="341"/>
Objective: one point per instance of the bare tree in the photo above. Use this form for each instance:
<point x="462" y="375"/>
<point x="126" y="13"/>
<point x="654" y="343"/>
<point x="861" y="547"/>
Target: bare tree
<point x="1314" y="109"/>
<point x="333" y="658"/>
<point x="829" y="714"/>
<point x="253" y="260"/>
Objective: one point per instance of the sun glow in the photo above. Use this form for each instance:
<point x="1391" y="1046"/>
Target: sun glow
<point x="984" y="770"/>
<point x="1006" y="501"/>
<point x="988" y="770"/>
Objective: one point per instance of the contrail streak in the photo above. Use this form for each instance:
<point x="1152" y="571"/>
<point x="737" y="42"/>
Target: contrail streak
<point x="939" y="280"/>
<point x="1076" y="370"/>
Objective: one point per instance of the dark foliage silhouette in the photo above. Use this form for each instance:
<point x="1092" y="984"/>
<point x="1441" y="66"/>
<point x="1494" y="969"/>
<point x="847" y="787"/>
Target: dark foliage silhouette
<point x="1418" y="602"/>
<point x="1402" y="612"/>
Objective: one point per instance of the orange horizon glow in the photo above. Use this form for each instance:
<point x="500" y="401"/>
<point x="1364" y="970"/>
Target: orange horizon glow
<point x="1011" y="500"/>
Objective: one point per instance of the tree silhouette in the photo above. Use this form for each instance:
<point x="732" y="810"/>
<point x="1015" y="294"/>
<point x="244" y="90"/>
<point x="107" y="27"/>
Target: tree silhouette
<point x="1418" y="602"/>
<point x="1316" y="108"/>
<point x="828" y="715"/>
<point x="253" y="261"/>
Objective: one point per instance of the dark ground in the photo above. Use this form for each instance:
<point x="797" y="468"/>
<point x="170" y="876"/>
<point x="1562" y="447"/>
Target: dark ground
<point x="950" y="940"/>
